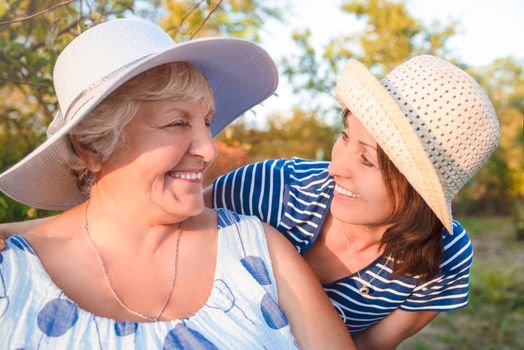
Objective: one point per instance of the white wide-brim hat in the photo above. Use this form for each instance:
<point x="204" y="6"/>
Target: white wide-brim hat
<point x="104" y="57"/>
<point x="433" y="121"/>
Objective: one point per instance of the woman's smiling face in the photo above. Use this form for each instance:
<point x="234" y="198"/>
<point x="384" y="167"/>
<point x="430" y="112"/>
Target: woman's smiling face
<point x="158" y="171"/>
<point x="360" y="196"/>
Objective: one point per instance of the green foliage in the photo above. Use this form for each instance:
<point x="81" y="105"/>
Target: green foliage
<point x="495" y="314"/>
<point x="301" y="135"/>
<point x="239" y="18"/>
<point x="499" y="185"/>
<point x="28" y="50"/>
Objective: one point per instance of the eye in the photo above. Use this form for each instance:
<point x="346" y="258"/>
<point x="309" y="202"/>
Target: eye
<point x="345" y="113"/>
<point x="344" y="135"/>
<point x="365" y="161"/>
<point x="177" y="124"/>
<point x="208" y="122"/>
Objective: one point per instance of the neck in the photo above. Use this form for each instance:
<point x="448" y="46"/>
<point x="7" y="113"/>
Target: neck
<point x="115" y="230"/>
<point x="362" y="237"/>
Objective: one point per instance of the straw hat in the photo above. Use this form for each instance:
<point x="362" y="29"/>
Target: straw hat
<point x="104" y="57"/>
<point x="434" y="122"/>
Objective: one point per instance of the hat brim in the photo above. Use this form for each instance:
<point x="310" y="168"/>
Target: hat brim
<point x="241" y="75"/>
<point x="369" y="101"/>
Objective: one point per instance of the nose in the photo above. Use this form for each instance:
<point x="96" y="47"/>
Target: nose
<point x="340" y="165"/>
<point x="203" y="145"/>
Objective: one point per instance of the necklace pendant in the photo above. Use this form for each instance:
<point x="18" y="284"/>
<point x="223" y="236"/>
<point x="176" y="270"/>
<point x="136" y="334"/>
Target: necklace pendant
<point x="363" y="290"/>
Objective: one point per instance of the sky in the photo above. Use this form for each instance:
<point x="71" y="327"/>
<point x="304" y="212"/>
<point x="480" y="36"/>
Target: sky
<point x="488" y="29"/>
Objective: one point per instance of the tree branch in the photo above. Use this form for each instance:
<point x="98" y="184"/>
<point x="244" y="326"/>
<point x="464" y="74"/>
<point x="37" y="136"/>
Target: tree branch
<point x="63" y="31"/>
<point x="22" y="19"/>
<point x="21" y="82"/>
<point x="205" y="19"/>
<point x="183" y="19"/>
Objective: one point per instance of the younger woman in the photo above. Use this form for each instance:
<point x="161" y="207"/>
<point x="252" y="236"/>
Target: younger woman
<point x="375" y="223"/>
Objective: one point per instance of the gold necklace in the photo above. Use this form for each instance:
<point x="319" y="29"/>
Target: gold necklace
<point x="363" y="290"/>
<point x="120" y="302"/>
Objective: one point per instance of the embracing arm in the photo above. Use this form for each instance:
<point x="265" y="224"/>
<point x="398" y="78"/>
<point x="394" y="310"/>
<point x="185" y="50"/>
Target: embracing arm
<point x="9" y="228"/>
<point x="313" y="320"/>
<point x="393" y="330"/>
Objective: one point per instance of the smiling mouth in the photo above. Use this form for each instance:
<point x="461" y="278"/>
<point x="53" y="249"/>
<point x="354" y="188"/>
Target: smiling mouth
<point x="185" y="175"/>
<point x="346" y="193"/>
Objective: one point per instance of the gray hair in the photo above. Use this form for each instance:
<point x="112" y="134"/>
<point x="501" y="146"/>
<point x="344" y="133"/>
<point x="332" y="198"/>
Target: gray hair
<point x="101" y="132"/>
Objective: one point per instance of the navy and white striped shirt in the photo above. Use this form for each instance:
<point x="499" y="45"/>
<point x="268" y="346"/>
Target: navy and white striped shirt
<point x="293" y="195"/>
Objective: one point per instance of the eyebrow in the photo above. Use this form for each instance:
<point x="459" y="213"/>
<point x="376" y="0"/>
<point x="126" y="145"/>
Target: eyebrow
<point x="185" y="113"/>
<point x="367" y="145"/>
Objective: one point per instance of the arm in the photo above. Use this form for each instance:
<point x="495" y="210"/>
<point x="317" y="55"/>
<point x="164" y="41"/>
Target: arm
<point x="392" y="330"/>
<point x="7" y="229"/>
<point x="313" y="320"/>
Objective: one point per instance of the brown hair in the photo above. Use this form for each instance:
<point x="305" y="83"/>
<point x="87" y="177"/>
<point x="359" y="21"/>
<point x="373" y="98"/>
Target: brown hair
<point x="413" y="240"/>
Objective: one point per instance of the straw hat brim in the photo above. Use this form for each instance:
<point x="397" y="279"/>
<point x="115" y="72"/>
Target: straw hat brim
<point x="377" y="110"/>
<point x="240" y="73"/>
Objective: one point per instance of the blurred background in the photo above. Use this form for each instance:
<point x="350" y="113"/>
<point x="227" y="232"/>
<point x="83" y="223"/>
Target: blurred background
<point x="311" y="41"/>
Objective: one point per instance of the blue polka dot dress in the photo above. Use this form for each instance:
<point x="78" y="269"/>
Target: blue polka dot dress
<point x="242" y="311"/>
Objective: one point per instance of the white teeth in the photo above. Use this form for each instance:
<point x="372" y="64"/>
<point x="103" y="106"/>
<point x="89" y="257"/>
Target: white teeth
<point x="186" y="176"/>
<point x="345" y="192"/>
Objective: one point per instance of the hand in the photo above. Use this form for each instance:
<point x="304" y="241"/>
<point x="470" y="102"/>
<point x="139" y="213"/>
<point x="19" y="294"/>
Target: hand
<point x="3" y="237"/>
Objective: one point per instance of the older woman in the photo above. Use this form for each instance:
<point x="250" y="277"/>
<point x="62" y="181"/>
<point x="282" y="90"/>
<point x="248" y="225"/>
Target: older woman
<point x="135" y="260"/>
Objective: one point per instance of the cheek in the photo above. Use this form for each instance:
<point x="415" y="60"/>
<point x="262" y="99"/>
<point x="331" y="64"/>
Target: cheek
<point x="382" y="199"/>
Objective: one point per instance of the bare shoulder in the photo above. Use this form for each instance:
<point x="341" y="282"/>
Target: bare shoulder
<point x="55" y="233"/>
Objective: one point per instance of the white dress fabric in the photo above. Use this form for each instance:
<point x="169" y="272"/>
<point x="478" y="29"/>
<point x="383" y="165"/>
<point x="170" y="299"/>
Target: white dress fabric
<point x="242" y="311"/>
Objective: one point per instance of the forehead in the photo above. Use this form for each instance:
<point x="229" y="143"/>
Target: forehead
<point x="356" y="128"/>
<point x="172" y="107"/>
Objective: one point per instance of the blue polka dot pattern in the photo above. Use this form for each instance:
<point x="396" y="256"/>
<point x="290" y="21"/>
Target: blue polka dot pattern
<point x="125" y="328"/>
<point x="183" y="338"/>
<point x="230" y="319"/>
<point x="57" y="317"/>
<point x="257" y="268"/>
<point x="224" y="298"/>
<point x="273" y="314"/>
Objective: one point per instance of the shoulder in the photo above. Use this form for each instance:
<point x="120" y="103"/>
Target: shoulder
<point x="18" y="262"/>
<point x="458" y="251"/>
<point x="294" y="167"/>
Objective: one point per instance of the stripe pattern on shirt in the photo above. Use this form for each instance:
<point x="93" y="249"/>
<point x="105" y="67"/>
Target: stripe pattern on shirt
<point x="293" y="195"/>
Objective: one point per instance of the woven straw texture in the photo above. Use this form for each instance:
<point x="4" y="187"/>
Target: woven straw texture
<point x="434" y="122"/>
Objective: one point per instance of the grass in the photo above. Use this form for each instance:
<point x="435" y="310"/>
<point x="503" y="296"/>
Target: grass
<point x="494" y="318"/>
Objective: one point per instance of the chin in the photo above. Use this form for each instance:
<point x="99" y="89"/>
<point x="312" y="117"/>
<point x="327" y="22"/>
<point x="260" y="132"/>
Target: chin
<point x="191" y="207"/>
<point x="342" y="212"/>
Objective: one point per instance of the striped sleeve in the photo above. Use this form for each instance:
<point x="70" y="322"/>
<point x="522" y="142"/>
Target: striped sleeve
<point x="256" y="189"/>
<point x="450" y="290"/>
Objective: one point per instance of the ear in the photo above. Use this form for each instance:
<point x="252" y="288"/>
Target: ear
<point x="90" y="159"/>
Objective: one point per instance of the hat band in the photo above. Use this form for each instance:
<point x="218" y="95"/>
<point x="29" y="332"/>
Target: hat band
<point x="85" y="96"/>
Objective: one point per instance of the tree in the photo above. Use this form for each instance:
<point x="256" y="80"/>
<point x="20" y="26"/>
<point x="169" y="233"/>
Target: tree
<point x="390" y="36"/>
